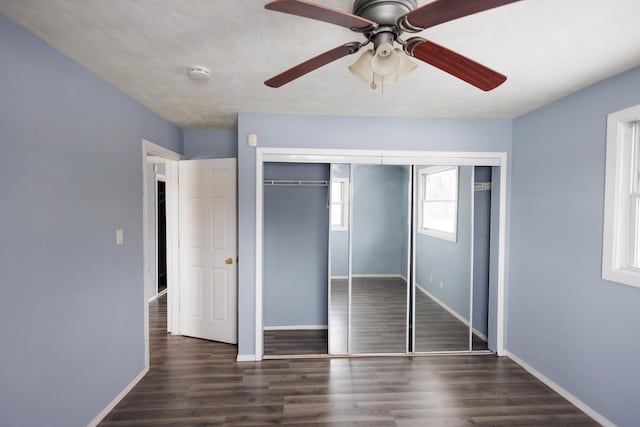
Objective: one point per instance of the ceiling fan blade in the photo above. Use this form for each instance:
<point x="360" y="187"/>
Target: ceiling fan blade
<point x="322" y="13"/>
<point x="313" y="64"/>
<point x="455" y="64"/>
<point x="440" y="11"/>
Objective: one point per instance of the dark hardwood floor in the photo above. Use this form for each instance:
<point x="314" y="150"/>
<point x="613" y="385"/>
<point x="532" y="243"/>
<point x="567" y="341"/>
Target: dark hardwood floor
<point x="295" y="342"/>
<point x="379" y="310"/>
<point x="195" y="382"/>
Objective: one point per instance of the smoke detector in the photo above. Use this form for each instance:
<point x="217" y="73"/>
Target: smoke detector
<point x="198" y="72"/>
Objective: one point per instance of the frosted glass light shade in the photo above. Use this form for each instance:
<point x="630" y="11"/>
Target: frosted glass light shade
<point x="386" y="60"/>
<point x="405" y="67"/>
<point x="362" y="67"/>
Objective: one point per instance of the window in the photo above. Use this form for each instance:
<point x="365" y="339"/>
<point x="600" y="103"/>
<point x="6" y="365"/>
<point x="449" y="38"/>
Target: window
<point x="438" y="204"/>
<point x="634" y="201"/>
<point x="621" y="240"/>
<point x="339" y="209"/>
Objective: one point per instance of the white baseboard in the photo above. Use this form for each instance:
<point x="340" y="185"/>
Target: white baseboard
<point x="246" y="358"/>
<point x="562" y="392"/>
<point x="373" y="276"/>
<point x="118" y="398"/>
<point x="452" y="311"/>
<point x="295" y="327"/>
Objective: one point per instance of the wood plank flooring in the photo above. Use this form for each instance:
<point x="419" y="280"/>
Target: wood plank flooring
<point x="195" y="382"/>
<point x="295" y="342"/>
<point x="379" y="323"/>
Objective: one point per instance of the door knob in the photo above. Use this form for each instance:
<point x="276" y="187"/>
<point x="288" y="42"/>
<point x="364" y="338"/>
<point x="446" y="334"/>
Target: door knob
<point x="228" y="261"/>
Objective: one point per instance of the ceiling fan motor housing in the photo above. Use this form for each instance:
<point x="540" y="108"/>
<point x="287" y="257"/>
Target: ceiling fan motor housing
<point x="384" y="12"/>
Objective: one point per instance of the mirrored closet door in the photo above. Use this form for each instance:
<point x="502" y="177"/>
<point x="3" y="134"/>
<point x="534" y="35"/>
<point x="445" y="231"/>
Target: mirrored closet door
<point x="339" y="213"/>
<point x="410" y="257"/>
<point x="443" y="238"/>
<point x="379" y="248"/>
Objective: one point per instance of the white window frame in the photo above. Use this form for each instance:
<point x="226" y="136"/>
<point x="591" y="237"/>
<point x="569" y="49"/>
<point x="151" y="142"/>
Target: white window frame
<point x="345" y="203"/>
<point x="422" y="176"/>
<point x="617" y="247"/>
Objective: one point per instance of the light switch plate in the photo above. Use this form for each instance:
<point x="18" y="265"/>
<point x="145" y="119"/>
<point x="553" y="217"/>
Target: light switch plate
<point x="119" y="236"/>
<point x="252" y="140"/>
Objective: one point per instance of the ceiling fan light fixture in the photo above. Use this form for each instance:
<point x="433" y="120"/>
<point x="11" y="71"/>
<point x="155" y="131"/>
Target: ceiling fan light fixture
<point x="405" y="67"/>
<point x="362" y="67"/>
<point x="364" y="70"/>
<point x="386" y="60"/>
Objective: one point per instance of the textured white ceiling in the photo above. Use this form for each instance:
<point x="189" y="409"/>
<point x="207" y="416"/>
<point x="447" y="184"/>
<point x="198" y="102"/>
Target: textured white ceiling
<point x="547" y="48"/>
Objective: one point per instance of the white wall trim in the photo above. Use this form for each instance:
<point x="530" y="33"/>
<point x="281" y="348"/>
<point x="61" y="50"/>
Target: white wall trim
<point x="382" y="276"/>
<point x="118" y="398"/>
<point x="450" y="310"/>
<point x="502" y="255"/>
<point x="295" y="327"/>
<point x="562" y="392"/>
<point x="433" y="158"/>
<point x="258" y="344"/>
<point x="248" y="358"/>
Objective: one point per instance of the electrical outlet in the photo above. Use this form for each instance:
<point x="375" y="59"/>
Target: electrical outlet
<point x="441" y="284"/>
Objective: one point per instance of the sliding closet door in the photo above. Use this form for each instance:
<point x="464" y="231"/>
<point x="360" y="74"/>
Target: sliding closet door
<point x="443" y="221"/>
<point x="485" y="256"/>
<point x="379" y="248"/>
<point x="339" y="212"/>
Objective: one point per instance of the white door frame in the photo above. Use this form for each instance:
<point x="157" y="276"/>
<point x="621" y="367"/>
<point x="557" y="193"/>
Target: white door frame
<point x="321" y="155"/>
<point x="154" y="153"/>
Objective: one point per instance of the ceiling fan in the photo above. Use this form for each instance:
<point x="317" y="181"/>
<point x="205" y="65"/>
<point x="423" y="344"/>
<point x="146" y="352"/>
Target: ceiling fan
<point x="382" y="22"/>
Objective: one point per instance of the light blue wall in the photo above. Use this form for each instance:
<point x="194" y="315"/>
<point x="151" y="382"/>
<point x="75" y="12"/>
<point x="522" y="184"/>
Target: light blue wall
<point x="71" y="174"/>
<point x="449" y="262"/>
<point x="210" y="144"/>
<point x="296" y="224"/>
<point x="564" y="320"/>
<point x="367" y="133"/>
<point x="379" y="220"/>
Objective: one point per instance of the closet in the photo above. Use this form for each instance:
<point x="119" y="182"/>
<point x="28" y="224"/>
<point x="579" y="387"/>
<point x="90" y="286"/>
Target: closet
<point x="399" y="258"/>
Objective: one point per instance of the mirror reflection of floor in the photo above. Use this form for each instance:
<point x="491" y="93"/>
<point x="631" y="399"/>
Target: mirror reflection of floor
<point x="378" y="323"/>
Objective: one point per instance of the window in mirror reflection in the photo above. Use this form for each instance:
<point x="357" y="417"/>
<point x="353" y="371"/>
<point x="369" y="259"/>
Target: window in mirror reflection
<point x="339" y="204"/>
<point x="439" y="201"/>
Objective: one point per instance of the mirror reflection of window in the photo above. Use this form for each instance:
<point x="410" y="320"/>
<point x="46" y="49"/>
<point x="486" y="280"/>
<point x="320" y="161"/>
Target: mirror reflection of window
<point x="439" y="202"/>
<point x="339" y="204"/>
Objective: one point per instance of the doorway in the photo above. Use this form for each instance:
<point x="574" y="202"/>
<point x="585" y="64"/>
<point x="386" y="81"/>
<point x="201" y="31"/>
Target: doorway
<point x="157" y="160"/>
<point x="161" y="236"/>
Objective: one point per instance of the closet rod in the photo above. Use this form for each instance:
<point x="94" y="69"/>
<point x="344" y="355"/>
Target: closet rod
<point x="297" y="182"/>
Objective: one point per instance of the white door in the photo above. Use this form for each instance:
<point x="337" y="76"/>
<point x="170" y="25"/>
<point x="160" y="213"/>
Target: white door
<point x="208" y="249"/>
